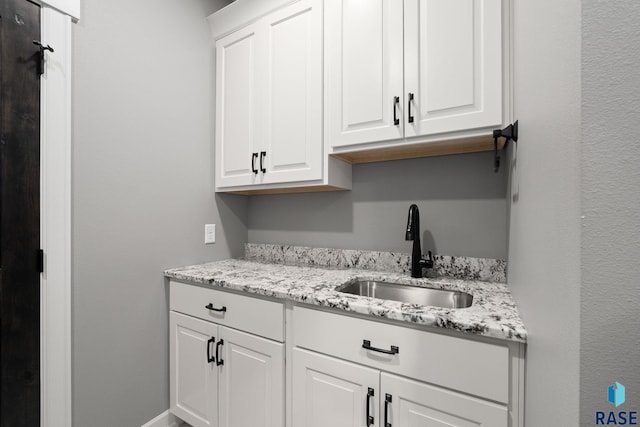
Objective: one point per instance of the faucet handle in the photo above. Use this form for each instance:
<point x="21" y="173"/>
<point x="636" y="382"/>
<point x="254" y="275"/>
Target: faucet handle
<point x="428" y="263"/>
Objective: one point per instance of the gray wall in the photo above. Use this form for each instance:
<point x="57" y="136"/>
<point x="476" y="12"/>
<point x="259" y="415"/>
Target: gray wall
<point x="544" y="241"/>
<point x="463" y="209"/>
<point x="610" y="325"/>
<point x="142" y="192"/>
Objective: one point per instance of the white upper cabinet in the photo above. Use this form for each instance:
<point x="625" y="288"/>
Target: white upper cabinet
<point x="269" y="100"/>
<point x="305" y="87"/>
<point x="400" y="69"/>
<point x="236" y="119"/>
<point x="292" y="88"/>
<point x="453" y="65"/>
<point x="363" y="67"/>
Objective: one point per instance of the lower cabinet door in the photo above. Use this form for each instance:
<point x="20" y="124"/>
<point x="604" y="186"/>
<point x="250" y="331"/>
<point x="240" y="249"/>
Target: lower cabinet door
<point x="331" y="392"/>
<point x="194" y="375"/>
<point x="408" y="403"/>
<point x="251" y="380"/>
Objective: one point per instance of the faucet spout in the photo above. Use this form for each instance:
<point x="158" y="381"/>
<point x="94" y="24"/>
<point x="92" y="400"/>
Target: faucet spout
<point x="413" y="224"/>
<point x="413" y="233"/>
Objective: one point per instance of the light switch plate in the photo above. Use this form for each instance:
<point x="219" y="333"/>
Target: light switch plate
<point x="209" y="233"/>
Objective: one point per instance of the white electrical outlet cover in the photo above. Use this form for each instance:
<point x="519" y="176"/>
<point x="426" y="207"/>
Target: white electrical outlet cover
<point x="209" y="233"/>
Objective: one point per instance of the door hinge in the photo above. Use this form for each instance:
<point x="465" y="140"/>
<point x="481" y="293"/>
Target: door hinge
<point x="40" y="261"/>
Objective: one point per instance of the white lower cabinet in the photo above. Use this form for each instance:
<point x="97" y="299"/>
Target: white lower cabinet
<point x="332" y="392"/>
<point x="251" y="381"/>
<point x="409" y="403"/>
<point x="349" y="371"/>
<point x="194" y="377"/>
<point x="227" y="368"/>
<point x="221" y="376"/>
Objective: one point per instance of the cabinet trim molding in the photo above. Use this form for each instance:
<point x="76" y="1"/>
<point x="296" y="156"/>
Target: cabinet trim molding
<point x="165" y="419"/>
<point x="65" y="7"/>
<point x="234" y="16"/>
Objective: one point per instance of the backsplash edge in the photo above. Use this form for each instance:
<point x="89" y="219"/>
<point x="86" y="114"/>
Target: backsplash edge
<point x="467" y="268"/>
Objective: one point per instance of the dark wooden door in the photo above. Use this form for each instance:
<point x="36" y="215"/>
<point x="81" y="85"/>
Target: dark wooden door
<point x="19" y="214"/>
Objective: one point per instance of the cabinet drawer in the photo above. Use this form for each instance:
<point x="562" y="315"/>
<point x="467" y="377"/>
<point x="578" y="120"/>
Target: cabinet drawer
<point x="254" y="315"/>
<point x="473" y="367"/>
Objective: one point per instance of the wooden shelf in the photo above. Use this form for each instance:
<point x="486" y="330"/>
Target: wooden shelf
<point x="425" y="149"/>
<point x="309" y="189"/>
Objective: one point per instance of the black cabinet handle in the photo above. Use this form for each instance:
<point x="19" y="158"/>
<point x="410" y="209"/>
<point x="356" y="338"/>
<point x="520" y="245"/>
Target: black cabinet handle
<point x="370" y="418"/>
<point x="396" y="101"/>
<point x="409" y="108"/>
<point x="209" y="342"/>
<point x="254" y="156"/>
<point x="212" y="308"/>
<point x="262" y="156"/>
<point x="366" y="344"/>
<point x="387" y="401"/>
<point x="219" y="360"/>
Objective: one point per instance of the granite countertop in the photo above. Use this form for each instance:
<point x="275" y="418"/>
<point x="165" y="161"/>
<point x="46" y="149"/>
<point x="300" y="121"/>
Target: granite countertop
<point x="492" y="314"/>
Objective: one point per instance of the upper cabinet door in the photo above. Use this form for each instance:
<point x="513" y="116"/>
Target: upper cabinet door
<point x="363" y="71"/>
<point x="236" y="81"/>
<point x="453" y="65"/>
<point x="291" y="86"/>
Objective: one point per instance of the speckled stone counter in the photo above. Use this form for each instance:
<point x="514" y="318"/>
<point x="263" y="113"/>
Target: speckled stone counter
<point x="492" y="314"/>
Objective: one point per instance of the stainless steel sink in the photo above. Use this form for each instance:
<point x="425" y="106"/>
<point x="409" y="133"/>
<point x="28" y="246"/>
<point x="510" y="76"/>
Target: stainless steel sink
<point x="408" y="294"/>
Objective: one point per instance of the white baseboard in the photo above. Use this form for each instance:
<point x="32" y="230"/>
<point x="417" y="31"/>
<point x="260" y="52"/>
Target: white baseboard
<point x="165" y="419"/>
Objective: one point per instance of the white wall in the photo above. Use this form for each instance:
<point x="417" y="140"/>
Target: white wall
<point x="462" y="209"/>
<point x="610" y="325"/>
<point x="544" y="242"/>
<point x="142" y="192"/>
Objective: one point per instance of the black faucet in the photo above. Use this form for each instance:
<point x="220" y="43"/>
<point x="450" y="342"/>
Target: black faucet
<point x="413" y="233"/>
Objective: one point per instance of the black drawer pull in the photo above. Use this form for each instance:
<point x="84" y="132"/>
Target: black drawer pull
<point x="366" y="344"/>
<point x="212" y="308"/>
<point x="209" y="342"/>
<point x="219" y="360"/>
<point x="370" y="419"/>
<point x="396" y="101"/>
<point x="387" y="400"/>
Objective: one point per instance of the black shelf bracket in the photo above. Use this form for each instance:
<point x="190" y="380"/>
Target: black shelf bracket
<point x="510" y="133"/>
